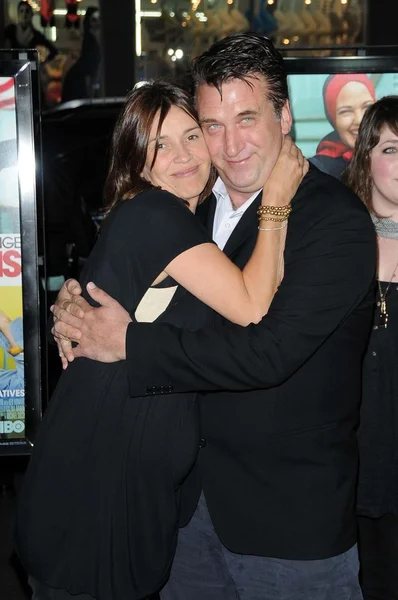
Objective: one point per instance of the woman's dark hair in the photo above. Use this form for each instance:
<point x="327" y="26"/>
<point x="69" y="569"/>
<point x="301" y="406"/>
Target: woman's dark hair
<point x="87" y="18"/>
<point x="24" y="3"/>
<point x="131" y="137"/>
<point x="384" y="113"/>
<point x="244" y="56"/>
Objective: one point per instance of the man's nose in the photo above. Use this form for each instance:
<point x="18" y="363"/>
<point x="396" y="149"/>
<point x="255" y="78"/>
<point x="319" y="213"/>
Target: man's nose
<point x="233" y="143"/>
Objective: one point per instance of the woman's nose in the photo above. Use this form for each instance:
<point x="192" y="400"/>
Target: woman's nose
<point x="182" y="154"/>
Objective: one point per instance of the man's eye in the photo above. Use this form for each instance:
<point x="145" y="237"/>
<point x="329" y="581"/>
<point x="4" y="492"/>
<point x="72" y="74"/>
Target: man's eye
<point x="213" y="127"/>
<point x="247" y="120"/>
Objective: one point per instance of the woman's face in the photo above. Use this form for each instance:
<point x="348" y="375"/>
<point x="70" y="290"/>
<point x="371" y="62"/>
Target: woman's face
<point x="25" y="15"/>
<point x="384" y="172"/>
<point x="352" y="101"/>
<point x="182" y="165"/>
<point x="95" y="21"/>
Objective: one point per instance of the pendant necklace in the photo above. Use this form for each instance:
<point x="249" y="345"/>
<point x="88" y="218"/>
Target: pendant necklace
<point x="383" y="302"/>
<point x="385" y="228"/>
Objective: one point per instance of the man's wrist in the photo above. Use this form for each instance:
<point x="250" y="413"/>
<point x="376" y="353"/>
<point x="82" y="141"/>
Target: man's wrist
<point x="123" y="347"/>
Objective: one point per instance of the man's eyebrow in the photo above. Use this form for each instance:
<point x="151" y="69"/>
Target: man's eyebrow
<point x="247" y="113"/>
<point x="207" y="121"/>
<point x="243" y="113"/>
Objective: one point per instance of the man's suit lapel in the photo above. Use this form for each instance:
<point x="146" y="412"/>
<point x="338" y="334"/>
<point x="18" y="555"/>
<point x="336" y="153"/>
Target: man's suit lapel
<point x="244" y="229"/>
<point x="206" y="211"/>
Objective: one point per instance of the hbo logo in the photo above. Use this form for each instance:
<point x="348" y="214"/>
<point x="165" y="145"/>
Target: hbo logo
<point x="12" y="426"/>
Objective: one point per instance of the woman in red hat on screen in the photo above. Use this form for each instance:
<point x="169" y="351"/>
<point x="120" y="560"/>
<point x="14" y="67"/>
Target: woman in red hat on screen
<point x="346" y="97"/>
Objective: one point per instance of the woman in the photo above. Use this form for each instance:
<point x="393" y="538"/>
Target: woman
<point x="99" y="515"/>
<point x="373" y="175"/>
<point x="83" y="78"/>
<point x="345" y="97"/>
<point x="24" y="35"/>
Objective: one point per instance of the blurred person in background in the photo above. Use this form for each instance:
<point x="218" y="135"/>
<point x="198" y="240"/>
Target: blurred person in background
<point x="83" y="78"/>
<point x="23" y="35"/>
<point x="373" y="175"/>
<point x="345" y="97"/>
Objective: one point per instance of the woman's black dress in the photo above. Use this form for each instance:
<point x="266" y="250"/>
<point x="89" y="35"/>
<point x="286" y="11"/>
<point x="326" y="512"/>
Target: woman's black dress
<point x="98" y="510"/>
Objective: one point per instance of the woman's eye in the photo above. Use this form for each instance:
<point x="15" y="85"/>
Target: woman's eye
<point x="161" y="146"/>
<point x="389" y="150"/>
<point x="193" y="136"/>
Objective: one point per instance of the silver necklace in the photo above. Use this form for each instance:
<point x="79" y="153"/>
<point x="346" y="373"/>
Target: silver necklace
<point x="385" y="227"/>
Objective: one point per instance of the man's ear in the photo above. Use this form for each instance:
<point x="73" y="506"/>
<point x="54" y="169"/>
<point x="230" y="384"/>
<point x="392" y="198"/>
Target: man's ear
<point x="286" y="118"/>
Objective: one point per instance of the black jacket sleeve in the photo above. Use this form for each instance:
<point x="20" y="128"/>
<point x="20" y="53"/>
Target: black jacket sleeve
<point x="329" y="269"/>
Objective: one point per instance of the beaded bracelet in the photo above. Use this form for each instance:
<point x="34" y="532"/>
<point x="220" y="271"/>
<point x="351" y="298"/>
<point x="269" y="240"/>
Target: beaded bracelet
<point x="276" y="211"/>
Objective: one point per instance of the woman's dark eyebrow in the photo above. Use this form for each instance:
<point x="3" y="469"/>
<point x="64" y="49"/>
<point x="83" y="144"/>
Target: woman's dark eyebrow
<point x="163" y="137"/>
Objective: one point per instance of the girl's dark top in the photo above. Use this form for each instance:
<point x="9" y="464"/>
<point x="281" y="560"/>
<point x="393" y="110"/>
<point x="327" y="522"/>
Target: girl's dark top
<point x="98" y="510"/>
<point x="378" y="431"/>
<point x="38" y="39"/>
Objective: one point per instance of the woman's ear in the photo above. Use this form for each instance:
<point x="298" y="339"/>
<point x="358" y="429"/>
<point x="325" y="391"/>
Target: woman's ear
<point x="145" y="174"/>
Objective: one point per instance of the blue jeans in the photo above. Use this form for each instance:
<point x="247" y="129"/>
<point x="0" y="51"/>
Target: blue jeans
<point x="204" y="569"/>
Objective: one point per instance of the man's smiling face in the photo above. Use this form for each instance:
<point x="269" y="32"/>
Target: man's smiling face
<point x="243" y="134"/>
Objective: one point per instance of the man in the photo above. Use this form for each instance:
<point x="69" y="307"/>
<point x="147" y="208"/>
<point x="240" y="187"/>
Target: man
<point x="278" y="456"/>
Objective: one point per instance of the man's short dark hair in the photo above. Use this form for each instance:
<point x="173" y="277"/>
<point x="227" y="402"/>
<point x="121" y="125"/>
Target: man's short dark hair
<point x="242" y="56"/>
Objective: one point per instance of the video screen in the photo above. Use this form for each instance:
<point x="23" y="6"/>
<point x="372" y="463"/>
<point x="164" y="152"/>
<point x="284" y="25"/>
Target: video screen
<point x="327" y="110"/>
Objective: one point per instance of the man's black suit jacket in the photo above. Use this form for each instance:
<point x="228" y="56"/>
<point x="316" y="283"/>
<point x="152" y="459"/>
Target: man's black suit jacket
<point x="278" y="461"/>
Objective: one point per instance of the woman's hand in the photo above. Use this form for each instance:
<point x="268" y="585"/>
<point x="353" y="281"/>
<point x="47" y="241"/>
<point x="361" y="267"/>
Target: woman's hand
<point x="286" y="175"/>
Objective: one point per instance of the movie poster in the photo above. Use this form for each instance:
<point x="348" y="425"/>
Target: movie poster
<point x="12" y="386"/>
<point x="328" y="109"/>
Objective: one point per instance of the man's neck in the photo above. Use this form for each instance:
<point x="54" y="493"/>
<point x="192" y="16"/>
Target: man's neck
<point x="238" y="200"/>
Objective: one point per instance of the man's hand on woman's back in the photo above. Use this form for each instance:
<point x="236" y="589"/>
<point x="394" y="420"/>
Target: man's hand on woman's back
<point x="99" y="332"/>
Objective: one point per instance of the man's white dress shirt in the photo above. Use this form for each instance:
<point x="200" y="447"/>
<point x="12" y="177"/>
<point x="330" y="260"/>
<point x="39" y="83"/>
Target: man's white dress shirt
<point x="226" y="216"/>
